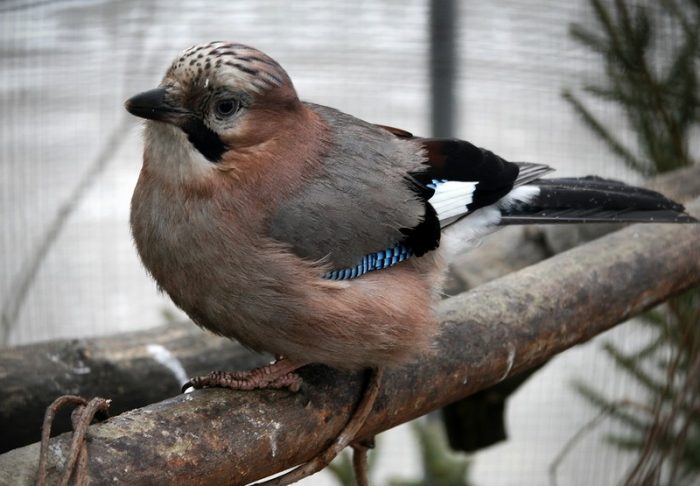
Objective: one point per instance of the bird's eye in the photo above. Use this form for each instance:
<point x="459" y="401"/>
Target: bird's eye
<point x="226" y="107"/>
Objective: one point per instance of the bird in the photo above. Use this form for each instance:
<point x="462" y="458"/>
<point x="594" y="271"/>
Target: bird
<point x="307" y="233"/>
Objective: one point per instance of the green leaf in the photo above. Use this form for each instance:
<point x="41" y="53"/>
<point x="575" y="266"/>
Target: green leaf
<point x="626" y="443"/>
<point x="635" y="368"/>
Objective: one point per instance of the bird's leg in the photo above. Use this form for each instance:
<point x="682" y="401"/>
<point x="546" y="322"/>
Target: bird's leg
<point x="343" y="439"/>
<point x="279" y="374"/>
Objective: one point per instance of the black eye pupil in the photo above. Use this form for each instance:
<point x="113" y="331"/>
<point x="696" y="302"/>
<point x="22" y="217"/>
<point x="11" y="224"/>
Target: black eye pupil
<point x="226" y="107"/>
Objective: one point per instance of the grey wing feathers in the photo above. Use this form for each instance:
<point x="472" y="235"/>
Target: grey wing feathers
<point x="358" y="201"/>
<point x="529" y="172"/>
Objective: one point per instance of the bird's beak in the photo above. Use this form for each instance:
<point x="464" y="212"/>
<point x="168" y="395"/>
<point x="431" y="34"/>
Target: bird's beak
<point x="152" y="105"/>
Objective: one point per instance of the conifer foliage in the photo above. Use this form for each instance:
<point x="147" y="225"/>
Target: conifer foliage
<point x="651" y="52"/>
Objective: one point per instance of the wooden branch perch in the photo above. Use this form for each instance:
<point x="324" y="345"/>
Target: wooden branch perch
<point x="133" y="369"/>
<point x="129" y="367"/>
<point x="496" y="330"/>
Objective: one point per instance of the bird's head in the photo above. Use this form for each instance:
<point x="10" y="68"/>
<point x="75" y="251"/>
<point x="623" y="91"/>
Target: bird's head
<point x="216" y="99"/>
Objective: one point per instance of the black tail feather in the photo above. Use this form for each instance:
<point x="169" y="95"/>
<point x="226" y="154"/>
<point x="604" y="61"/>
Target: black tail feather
<point x="594" y="200"/>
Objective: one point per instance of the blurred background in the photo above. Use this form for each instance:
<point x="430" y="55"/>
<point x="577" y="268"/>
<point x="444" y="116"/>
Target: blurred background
<point x="70" y="156"/>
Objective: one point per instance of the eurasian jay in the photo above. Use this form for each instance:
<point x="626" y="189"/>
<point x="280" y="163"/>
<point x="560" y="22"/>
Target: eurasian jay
<point x="309" y="234"/>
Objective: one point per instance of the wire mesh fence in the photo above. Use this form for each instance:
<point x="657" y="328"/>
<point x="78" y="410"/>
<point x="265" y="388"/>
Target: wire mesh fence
<point x="70" y="155"/>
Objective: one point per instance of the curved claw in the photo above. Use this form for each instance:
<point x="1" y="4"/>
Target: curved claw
<point x="280" y="374"/>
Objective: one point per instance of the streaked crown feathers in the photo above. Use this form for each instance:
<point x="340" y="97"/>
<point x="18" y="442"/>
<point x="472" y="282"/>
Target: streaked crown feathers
<point x="228" y="63"/>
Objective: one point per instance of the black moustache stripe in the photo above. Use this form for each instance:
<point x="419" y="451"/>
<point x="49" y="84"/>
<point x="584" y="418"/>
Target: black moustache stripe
<point x="205" y="140"/>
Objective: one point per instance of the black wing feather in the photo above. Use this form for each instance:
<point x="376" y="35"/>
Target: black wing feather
<point x="594" y="199"/>
<point x="458" y="160"/>
<point x="454" y="160"/>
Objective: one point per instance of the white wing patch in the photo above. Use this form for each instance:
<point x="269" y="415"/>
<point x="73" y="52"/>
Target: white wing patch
<point x="519" y="195"/>
<point x="451" y="198"/>
<point x="468" y="233"/>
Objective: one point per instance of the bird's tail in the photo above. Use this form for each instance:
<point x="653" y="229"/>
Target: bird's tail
<point x="588" y="200"/>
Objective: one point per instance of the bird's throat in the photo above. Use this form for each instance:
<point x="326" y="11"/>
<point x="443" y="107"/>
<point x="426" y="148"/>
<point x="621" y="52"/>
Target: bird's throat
<point x="172" y="157"/>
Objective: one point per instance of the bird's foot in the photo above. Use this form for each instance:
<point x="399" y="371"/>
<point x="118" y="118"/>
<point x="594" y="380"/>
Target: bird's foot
<point x="345" y="438"/>
<point x="279" y="374"/>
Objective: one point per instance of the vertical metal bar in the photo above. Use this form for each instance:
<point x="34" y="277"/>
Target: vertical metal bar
<point x="442" y="66"/>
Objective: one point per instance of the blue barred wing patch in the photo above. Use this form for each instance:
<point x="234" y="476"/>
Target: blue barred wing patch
<point x="435" y="183"/>
<point x="374" y="261"/>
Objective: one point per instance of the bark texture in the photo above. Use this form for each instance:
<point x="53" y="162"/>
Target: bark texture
<point x="494" y="331"/>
